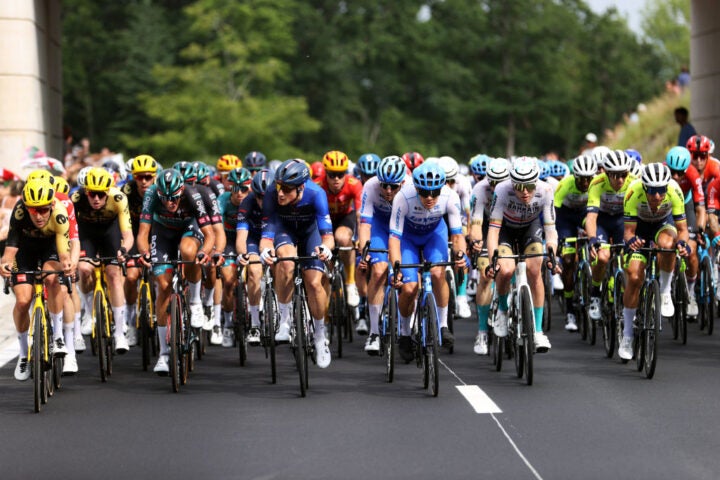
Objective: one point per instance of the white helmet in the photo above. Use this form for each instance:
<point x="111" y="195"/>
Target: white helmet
<point x="616" y="161"/>
<point x="584" y="166"/>
<point x="498" y="170"/>
<point x="655" y="175"/>
<point x="524" y="170"/>
<point x="82" y="175"/>
<point x="635" y="168"/>
<point x="450" y="166"/>
<point x="598" y="153"/>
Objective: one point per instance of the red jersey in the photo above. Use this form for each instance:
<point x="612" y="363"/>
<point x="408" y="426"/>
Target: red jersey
<point x="65" y="200"/>
<point x="711" y="172"/>
<point x="692" y="181"/>
<point x="346" y="200"/>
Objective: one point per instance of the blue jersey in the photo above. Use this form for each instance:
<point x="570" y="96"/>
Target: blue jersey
<point x="250" y="216"/>
<point x="310" y="212"/>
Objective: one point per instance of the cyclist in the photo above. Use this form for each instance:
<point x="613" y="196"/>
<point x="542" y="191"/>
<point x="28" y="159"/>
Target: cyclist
<point x="249" y="231"/>
<point x="225" y="165"/>
<point x="174" y="220"/>
<point x="654" y="210"/>
<point x="103" y="219"/>
<point x="254" y="162"/>
<point x="570" y="208"/>
<point x="497" y="171"/>
<point x="416" y="224"/>
<point x="515" y="214"/>
<point x="604" y="221"/>
<point x="367" y="166"/>
<point x="39" y="233"/>
<point x="144" y="170"/>
<point x="412" y="160"/>
<point x="343" y="195"/>
<point x="678" y="161"/>
<point x="707" y="166"/>
<point x="378" y="195"/>
<point x="317" y="171"/>
<point x="296" y="219"/>
<point x="478" y="166"/>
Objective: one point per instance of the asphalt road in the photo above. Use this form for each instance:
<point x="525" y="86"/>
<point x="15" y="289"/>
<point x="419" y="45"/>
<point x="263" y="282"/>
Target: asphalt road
<point x="585" y="417"/>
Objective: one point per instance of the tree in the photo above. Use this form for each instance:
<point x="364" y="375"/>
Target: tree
<point x="666" y="23"/>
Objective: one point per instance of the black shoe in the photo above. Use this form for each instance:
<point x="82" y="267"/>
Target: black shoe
<point x="448" y="339"/>
<point x="406" y="349"/>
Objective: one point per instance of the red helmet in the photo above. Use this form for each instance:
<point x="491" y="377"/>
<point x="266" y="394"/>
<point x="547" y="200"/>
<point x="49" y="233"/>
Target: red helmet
<point x="698" y="144"/>
<point x="317" y="169"/>
<point x="412" y="160"/>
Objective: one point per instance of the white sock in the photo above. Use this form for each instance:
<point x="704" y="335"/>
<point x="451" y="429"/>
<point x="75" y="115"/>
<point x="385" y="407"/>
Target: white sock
<point x="227" y="319"/>
<point x="628" y="315"/>
<point x="665" y="284"/>
<point x="69" y="338"/>
<point x="255" y="315"/>
<point x="87" y="302"/>
<point x="443" y="313"/>
<point x="77" y="325"/>
<point x="404" y="325"/>
<point x="23" y="341"/>
<point x="284" y="309"/>
<point x="194" y="290"/>
<point x="319" y="329"/>
<point x="374" y="311"/>
<point x="162" y="334"/>
<point x="57" y="324"/>
<point x="119" y="314"/>
<point x="217" y="309"/>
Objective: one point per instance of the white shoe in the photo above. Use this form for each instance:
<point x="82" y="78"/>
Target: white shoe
<point x="209" y="321"/>
<point x="595" y="313"/>
<point x="667" y="308"/>
<point x="353" y="297"/>
<point x="692" y="308"/>
<point x="625" y="350"/>
<point x="216" y="337"/>
<point x="197" y="317"/>
<point x="59" y="349"/>
<point x="322" y="353"/>
<point x="463" y="308"/>
<point x="362" y="327"/>
<point x="121" y="344"/>
<point x="70" y="365"/>
<point x="481" y="344"/>
<point x="228" y="337"/>
<point x="22" y="369"/>
<point x="253" y="336"/>
<point x="86" y="325"/>
<point x="557" y="283"/>
<point x="372" y="345"/>
<point x="571" y="323"/>
<point x="131" y="335"/>
<point x="161" y="367"/>
<point x="79" y="344"/>
<point x="500" y="324"/>
<point x="283" y="333"/>
<point x="542" y="343"/>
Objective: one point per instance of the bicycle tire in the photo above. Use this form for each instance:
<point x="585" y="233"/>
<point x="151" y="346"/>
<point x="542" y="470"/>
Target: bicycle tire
<point x="607" y="310"/>
<point x="528" y="329"/>
<point x="452" y="300"/>
<point x="618" y="302"/>
<point x="175" y="346"/>
<point x="514" y="332"/>
<point x="681" y="299"/>
<point x="547" y="312"/>
<point x="100" y="334"/>
<point x="37" y="353"/>
<point x="57" y="369"/>
<point x="707" y="294"/>
<point x="144" y="319"/>
<point x="187" y="348"/>
<point x="389" y="338"/>
<point x="432" y="345"/>
<point x="109" y="343"/>
<point x="240" y="323"/>
<point x="591" y="325"/>
<point x="638" y="340"/>
<point x="338" y="311"/>
<point x="496" y="342"/>
<point x="299" y="340"/>
<point x="651" y="329"/>
<point x="579" y="304"/>
<point x="269" y="325"/>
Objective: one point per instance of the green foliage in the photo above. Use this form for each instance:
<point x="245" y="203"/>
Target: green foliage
<point x="667" y="24"/>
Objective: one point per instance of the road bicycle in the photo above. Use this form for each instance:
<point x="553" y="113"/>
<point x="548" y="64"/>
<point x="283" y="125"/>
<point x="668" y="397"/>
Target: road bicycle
<point x="581" y="290"/>
<point x="611" y="302"/>
<point x="706" y="288"/>
<point x="341" y="315"/>
<point x="145" y="320"/>
<point x="681" y="298"/>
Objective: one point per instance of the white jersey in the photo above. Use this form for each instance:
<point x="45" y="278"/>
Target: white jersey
<point x="480" y="200"/>
<point x="507" y="209"/>
<point x="463" y="188"/>
<point x="410" y="216"/>
<point x="373" y="206"/>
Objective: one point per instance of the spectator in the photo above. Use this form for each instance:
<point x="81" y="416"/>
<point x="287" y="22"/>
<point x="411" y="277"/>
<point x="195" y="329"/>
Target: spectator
<point x="589" y="144"/>
<point x="686" y="128"/>
<point x="683" y="78"/>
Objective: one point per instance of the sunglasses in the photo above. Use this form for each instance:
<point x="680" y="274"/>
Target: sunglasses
<point x="336" y="175"/>
<point x="240" y="188"/>
<point x="617" y="175"/>
<point x="391" y="186"/>
<point x="170" y="198"/>
<point x="679" y="173"/>
<point x="428" y="193"/>
<point x="145" y="178"/>
<point x="99" y="195"/>
<point x="700" y="155"/>
<point x="286" y="189"/>
<point x="583" y="179"/>
<point x="519" y="187"/>
<point x="656" y="190"/>
<point x="38" y="210"/>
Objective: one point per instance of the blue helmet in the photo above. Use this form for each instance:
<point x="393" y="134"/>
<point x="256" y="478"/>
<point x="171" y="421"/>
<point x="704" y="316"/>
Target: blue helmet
<point x="261" y="180"/>
<point x="678" y="158"/>
<point x="391" y="170"/>
<point x="558" y="169"/>
<point x="479" y="163"/>
<point x="544" y="169"/>
<point x="634" y="154"/>
<point x="429" y="176"/>
<point x="368" y="164"/>
<point x="293" y="172"/>
<point x="254" y="161"/>
<point x="201" y="170"/>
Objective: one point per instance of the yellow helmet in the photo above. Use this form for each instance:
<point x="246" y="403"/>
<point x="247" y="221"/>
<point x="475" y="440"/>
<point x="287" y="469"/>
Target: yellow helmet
<point x="144" y="164"/>
<point x="40" y="174"/>
<point x="336" y="161"/>
<point x="98" y="180"/>
<point x="61" y="185"/>
<point x="228" y="162"/>
<point x="38" y="193"/>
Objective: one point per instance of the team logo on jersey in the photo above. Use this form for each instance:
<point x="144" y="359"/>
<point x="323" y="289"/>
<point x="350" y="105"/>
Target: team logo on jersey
<point x="19" y="214"/>
<point x="118" y="198"/>
<point x="61" y="219"/>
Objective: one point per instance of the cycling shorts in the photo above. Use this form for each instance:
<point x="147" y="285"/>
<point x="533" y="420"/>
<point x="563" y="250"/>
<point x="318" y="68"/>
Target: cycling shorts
<point x="433" y="245"/>
<point x="610" y="228"/>
<point x="165" y="243"/>
<point x="305" y="241"/>
<point x="527" y="239"/>
<point x="105" y="242"/>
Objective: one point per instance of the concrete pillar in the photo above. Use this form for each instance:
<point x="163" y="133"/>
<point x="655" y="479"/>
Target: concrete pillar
<point x="705" y="67"/>
<point x="30" y="79"/>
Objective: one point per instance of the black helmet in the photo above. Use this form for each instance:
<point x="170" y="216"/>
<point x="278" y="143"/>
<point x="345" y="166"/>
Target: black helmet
<point x="261" y="180"/>
<point x="293" y="172"/>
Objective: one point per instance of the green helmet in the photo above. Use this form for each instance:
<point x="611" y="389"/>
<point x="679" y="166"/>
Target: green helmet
<point x="170" y="183"/>
<point x="240" y="176"/>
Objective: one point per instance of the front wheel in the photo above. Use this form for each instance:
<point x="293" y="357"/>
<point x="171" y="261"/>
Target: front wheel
<point x="528" y="335"/>
<point x="431" y="349"/>
<point x="175" y="342"/>
<point x="389" y="337"/>
<point x="37" y="352"/>
<point x="100" y="333"/>
<point x="269" y="323"/>
<point x="651" y="329"/>
<point x="240" y="322"/>
<point x="618" y="294"/>
<point x="299" y="342"/>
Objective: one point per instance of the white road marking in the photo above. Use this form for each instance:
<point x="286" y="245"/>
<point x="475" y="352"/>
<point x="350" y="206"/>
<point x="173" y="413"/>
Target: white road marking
<point x="478" y="399"/>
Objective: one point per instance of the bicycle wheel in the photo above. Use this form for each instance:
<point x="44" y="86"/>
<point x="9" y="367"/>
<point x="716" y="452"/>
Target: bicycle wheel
<point x="579" y="301"/>
<point x="515" y="337"/>
<point x="707" y="296"/>
<point x="188" y="346"/>
<point x="638" y="340"/>
<point x="528" y="335"/>
<point x="37" y="352"/>
<point x="681" y="301"/>
<point x="590" y="325"/>
<point x="651" y="327"/>
<point x="299" y="340"/>
<point x="607" y="320"/>
<point x="389" y="333"/>
<point x="432" y="345"/>
<point x="57" y="368"/>
<point x="240" y="323"/>
<point x="338" y="311"/>
<point x="175" y="342"/>
<point x="144" y="321"/>
<point x="452" y="302"/>
<point x="269" y="325"/>
<point x="100" y="333"/>
<point x="618" y="293"/>
<point x="110" y="342"/>
<point x="547" y="312"/>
